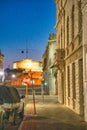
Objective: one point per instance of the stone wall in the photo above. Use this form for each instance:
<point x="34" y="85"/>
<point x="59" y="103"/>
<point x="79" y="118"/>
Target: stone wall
<point x="69" y="38"/>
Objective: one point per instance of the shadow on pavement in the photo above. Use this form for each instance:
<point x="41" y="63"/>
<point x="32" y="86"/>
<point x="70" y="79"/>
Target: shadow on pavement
<point x="35" y="123"/>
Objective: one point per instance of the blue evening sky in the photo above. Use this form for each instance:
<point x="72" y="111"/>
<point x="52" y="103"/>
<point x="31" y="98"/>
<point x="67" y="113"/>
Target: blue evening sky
<point x="25" y="22"/>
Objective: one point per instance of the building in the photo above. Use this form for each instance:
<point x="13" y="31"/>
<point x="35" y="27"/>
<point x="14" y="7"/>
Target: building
<point x="29" y="70"/>
<point x="69" y="57"/>
<point x="84" y="28"/>
<point x="71" y="37"/>
<point x="1" y="61"/>
<point x="28" y="64"/>
<point x="1" y="67"/>
<point x="48" y="65"/>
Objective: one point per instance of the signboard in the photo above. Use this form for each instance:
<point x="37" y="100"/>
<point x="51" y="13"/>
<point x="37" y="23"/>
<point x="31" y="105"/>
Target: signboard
<point x="26" y="81"/>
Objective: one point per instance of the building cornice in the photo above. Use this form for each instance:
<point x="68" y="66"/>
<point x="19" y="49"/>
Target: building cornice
<point x="56" y="1"/>
<point x="54" y="40"/>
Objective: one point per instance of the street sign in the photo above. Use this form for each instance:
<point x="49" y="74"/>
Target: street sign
<point x="26" y="81"/>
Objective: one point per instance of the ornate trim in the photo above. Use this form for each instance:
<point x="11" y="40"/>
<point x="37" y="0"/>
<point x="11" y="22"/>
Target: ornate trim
<point x="84" y="6"/>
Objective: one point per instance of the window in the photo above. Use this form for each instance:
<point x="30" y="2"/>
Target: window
<point x="80" y="20"/>
<point x="73" y="81"/>
<point x="72" y="23"/>
<point x="68" y="76"/>
<point x="67" y="31"/>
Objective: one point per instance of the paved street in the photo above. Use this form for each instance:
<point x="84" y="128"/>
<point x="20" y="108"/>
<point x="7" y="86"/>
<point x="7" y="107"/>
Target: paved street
<point x="50" y="115"/>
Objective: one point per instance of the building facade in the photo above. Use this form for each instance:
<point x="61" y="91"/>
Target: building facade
<point x="69" y="55"/>
<point x="1" y="67"/>
<point x="1" y="61"/>
<point x="84" y="27"/>
<point x="28" y="64"/>
<point x="49" y="69"/>
<point x="26" y="70"/>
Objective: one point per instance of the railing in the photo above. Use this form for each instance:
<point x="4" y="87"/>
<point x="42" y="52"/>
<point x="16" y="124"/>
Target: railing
<point x="59" y="58"/>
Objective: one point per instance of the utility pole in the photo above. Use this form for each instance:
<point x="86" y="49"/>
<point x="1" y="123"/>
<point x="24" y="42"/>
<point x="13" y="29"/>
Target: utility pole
<point x="27" y="49"/>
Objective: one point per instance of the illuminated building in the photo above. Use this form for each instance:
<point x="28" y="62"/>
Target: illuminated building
<point x="31" y="69"/>
<point x="71" y="54"/>
<point x="28" y="64"/>
<point x="84" y="28"/>
<point x="1" y="67"/>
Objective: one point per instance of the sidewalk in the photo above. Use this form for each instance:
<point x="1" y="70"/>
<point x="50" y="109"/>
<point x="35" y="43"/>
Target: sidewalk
<point x="50" y="115"/>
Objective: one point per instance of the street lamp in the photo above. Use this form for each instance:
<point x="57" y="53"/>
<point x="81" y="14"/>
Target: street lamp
<point x="13" y="75"/>
<point x="1" y="73"/>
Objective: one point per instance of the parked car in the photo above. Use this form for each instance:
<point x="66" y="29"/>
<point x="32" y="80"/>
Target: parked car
<point x="2" y="115"/>
<point x="4" y="98"/>
<point x="18" y="104"/>
<point x="12" y="103"/>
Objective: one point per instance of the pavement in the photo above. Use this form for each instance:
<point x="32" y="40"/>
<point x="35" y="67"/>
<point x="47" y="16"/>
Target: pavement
<point x="50" y="115"/>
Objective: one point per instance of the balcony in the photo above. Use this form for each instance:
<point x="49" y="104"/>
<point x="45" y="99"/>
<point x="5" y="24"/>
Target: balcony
<point x="59" y="58"/>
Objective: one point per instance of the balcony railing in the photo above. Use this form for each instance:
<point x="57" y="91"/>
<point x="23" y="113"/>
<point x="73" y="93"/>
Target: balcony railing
<point x="59" y="58"/>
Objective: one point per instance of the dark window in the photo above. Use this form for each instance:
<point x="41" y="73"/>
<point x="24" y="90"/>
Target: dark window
<point x="72" y="23"/>
<point x="67" y="30"/>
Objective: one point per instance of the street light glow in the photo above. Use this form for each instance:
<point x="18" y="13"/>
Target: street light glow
<point x="1" y="73"/>
<point x="13" y="76"/>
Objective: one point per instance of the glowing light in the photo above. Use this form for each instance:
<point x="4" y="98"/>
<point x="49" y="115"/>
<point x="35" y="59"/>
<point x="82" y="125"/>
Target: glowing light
<point x="1" y="73"/>
<point x="13" y="75"/>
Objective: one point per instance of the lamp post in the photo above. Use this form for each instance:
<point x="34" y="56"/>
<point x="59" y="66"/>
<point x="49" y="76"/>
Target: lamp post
<point x="26" y="94"/>
<point x="29" y="81"/>
<point x="33" y="92"/>
<point x="26" y="81"/>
